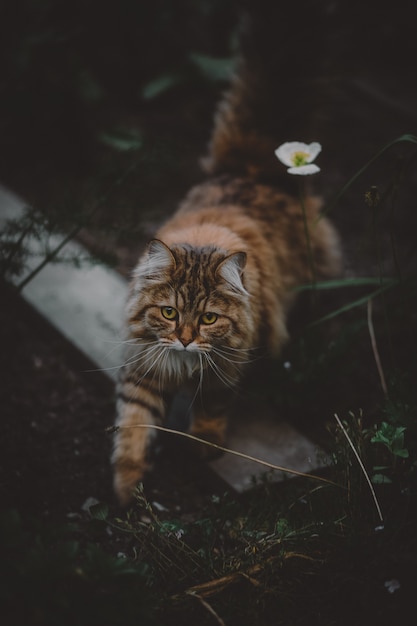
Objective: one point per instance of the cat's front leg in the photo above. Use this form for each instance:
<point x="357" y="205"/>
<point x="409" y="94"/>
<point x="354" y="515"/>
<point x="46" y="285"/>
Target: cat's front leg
<point x="210" y="422"/>
<point x="139" y="405"/>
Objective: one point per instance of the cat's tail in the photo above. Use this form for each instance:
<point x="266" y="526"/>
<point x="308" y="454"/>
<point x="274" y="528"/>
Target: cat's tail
<point x="274" y="93"/>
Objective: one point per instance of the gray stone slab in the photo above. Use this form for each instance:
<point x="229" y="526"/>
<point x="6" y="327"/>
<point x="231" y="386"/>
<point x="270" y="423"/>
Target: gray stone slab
<point x="271" y="440"/>
<point x="86" y="304"/>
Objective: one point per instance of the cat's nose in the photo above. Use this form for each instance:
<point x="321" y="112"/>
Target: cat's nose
<point x="185" y="334"/>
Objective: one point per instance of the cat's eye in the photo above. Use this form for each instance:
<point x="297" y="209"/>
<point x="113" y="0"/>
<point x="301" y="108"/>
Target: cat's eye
<point x="208" y="318"/>
<point x="169" y="312"/>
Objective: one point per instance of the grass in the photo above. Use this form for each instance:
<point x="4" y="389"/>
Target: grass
<point x="241" y="560"/>
<point x="298" y="552"/>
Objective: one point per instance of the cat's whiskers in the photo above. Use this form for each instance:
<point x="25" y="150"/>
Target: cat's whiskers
<point x="123" y="342"/>
<point x="232" y="349"/>
<point x="157" y="379"/>
<point x="237" y="360"/>
<point x="199" y="387"/>
<point x="131" y="360"/>
<point x="166" y="359"/>
<point x="142" y="357"/>
<point x="162" y="368"/>
<point x="219" y="372"/>
<point x="115" y="344"/>
<point x="160" y="352"/>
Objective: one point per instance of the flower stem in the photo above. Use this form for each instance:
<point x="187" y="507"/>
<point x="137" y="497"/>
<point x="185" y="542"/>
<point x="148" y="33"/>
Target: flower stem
<point x="307" y="236"/>
<point x="375" y="348"/>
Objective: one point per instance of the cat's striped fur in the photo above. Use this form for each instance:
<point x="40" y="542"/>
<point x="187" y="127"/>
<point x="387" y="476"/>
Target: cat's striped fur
<point x="213" y="290"/>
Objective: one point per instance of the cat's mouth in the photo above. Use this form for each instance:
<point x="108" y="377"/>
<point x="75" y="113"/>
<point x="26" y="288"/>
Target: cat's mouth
<point x="191" y="347"/>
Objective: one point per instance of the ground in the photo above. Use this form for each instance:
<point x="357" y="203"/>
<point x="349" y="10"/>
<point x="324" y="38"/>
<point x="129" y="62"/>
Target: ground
<point x="61" y="157"/>
<point x="53" y="401"/>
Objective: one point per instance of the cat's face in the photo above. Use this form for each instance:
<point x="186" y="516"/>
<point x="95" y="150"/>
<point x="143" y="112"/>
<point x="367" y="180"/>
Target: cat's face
<point x="190" y="305"/>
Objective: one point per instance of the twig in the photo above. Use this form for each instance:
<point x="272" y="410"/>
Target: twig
<point x="73" y="232"/>
<point x="113" y="429"/>
<point x="217" y="585"/>
<point x="378" y="508"/>
<point x="206" y="606"/>
<point x="406" y="137"/>
<point x="375" y="348"/>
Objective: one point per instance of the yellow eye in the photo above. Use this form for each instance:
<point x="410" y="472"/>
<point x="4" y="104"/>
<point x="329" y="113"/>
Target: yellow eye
<point x="208" y="318"/>
<point x="169" y="312"/>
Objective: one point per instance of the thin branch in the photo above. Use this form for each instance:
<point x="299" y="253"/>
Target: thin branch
<point x="206" y="606"/>
<point x="378" y="508"/>
<point x="113" y="429"/>
<point x="218" y="585"/>
<point x="375" y="348"/>
<point x="73" y="232"/>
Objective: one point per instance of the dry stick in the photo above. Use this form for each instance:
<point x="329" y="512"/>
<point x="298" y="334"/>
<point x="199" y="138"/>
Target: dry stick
<point x="114" y="429"/>
<point x="206" y="606"/>
<point x="73" y="232"/>
<point x="375" y="348"/>
<point x="378" y="508"/>
<point x="218" y="585"/>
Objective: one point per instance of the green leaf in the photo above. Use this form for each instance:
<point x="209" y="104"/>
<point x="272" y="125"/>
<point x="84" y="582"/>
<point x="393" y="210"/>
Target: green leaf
<point x="162" y="84"/>
<point x="348" y="282"/>
<point x="282" y="528"/>
<point x="213" y="68"/>
<point x="352" y="305"/>
<point x="121" y="140"/>
<point x="407" y="137"/>
<point x="99" y="511"/>
<point x="381" y="479"/>
<point x="393" y="438"/>
<point x="402" y="452"/>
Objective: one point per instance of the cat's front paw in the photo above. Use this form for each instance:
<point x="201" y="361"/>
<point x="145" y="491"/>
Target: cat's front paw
<point x="127" y="476"/>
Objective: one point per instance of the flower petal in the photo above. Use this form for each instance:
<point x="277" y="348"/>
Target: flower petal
<point x="314" y="150"/>
<point x="304" y="170"/>
<point x="286" y="150"/>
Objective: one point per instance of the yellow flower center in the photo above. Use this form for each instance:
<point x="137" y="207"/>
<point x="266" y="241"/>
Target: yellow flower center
<point x="300" y="158"/>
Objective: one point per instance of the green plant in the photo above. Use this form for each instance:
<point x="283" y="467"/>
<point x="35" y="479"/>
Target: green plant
<point x="53" y="575"/>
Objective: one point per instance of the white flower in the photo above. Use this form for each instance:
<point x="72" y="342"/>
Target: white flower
<point x="298" y="156"/>
<point x="392" y="585"/>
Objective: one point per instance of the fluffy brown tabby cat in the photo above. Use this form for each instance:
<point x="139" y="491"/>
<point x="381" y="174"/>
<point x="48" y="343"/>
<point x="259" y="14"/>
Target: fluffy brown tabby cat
<point x="214" y="288"/>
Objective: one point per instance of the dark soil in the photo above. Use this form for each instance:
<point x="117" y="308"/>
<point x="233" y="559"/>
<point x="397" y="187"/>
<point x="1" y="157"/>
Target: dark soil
<point x="54" y="418"/>
<point x="55" y="449"/>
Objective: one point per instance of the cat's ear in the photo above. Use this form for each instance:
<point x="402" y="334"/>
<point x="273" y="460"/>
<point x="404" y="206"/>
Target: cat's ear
<point x="158" y="260"/>
<point x="231" y="270"/>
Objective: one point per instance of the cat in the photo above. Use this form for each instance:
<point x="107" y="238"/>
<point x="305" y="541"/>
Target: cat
<point x="214" y="288"/>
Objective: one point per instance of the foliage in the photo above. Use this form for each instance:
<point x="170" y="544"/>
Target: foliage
<point x="240" y="558"/>
<point x="50" y="576"/>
